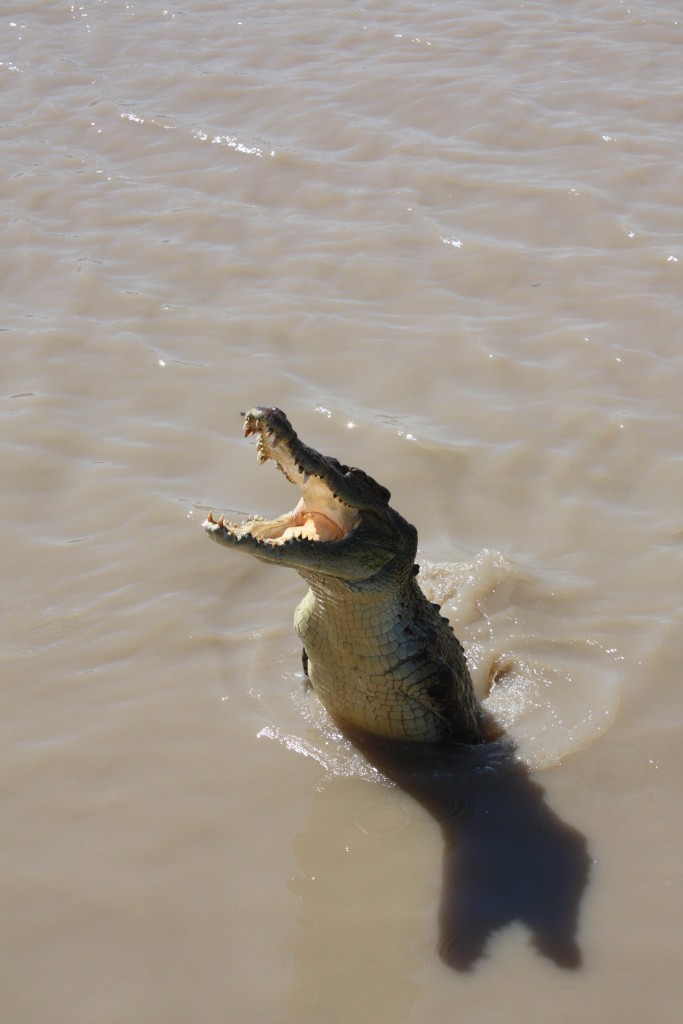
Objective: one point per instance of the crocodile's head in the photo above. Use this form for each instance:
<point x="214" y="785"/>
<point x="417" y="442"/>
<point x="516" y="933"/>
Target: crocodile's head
<point x="343" y="525"/>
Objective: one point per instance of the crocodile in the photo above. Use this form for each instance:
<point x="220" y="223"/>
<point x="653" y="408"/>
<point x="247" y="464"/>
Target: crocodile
<point x="379" y="655"/>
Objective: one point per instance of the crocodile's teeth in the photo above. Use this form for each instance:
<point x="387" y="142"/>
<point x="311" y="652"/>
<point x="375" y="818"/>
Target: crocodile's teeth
<point x="210" y="518"/>
<point x="221" y="522"/>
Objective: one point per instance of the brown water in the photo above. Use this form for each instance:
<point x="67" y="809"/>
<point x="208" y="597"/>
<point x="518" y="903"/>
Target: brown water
<point x="446" y="239"/>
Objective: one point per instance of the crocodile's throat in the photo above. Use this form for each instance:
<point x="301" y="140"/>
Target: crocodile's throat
<point x="319" y="516"/>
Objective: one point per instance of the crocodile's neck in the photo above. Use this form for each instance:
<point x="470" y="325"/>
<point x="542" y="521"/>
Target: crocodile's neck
<point x="370" y="611"/>
<point x="381" y="657"/>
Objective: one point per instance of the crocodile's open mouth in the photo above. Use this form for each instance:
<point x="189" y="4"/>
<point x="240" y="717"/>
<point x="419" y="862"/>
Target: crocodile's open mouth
<point x="319" y="516"/>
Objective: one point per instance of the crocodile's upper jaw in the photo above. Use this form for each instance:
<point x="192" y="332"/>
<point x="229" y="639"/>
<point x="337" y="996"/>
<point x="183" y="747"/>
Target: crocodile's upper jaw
<point x="320" y="516"/>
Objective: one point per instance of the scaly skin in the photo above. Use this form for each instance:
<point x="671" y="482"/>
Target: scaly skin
<point x="377" y="652"/>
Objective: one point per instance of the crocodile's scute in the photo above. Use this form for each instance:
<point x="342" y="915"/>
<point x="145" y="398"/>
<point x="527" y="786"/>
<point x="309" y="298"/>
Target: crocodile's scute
<point x="379" y="655"/>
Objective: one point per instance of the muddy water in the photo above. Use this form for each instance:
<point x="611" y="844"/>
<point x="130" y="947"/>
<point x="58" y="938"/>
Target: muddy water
<point x="447" y="241"/>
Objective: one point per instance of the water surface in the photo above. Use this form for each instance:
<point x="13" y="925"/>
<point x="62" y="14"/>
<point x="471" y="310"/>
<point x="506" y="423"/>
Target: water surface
<point x="447" y="241"/>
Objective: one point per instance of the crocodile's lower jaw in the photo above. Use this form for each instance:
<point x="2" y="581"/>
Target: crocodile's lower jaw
<point x="300" y="524"/>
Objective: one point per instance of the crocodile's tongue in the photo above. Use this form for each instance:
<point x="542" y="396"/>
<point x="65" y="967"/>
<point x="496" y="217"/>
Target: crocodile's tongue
<point x="304" y="522"/>
<point x="316" y="524"/>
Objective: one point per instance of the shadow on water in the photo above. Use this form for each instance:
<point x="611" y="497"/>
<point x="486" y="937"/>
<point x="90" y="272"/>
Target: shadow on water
<point x="507" y="858"/>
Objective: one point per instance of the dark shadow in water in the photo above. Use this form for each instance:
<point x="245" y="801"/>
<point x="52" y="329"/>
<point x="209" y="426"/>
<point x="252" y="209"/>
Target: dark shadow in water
<point x="507" y="858"/>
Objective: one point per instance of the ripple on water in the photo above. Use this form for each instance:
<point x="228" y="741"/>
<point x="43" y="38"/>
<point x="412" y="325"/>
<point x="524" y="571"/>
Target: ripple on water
<point x="320" y="739"/>
<point x="386" y="814"/>
<point x="553" y="695"/>
<point x="621" y="768"/>
<point x="555" y="701"/>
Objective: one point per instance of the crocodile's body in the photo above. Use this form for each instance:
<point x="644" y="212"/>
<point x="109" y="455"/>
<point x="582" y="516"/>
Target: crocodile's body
<point x="377" y="652"/>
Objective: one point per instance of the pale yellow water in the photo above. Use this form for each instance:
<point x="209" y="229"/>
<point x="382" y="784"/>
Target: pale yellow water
<point x="447" y="239"/>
